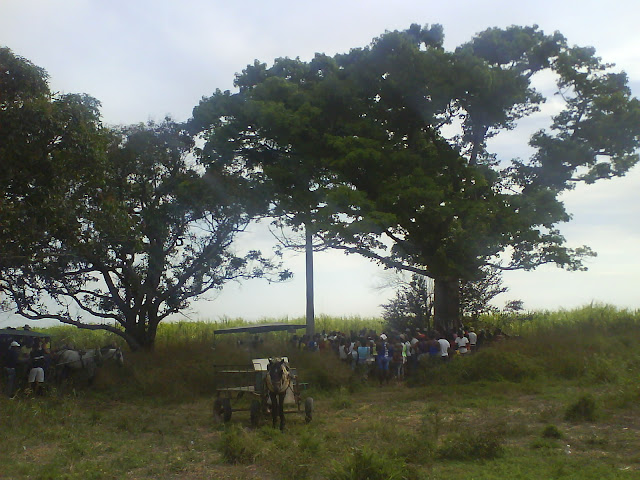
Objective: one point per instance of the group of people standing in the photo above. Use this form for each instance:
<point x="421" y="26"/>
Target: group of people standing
<point x="394" y="355"/>
<point x="35" y="362"/>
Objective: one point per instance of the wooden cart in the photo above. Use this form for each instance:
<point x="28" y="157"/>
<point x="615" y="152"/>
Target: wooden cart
<point x="235" y="381"/>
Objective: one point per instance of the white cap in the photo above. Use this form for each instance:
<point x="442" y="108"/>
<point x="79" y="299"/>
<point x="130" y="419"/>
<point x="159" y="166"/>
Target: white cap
<point x="383" y="336"/>
<point x="14" y="344"/>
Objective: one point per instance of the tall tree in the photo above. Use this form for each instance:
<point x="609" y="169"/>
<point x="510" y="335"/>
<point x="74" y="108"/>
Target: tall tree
<point x="157" y="234"/>
<point x="124" y="229"/>
<point x="274" y="127"/>
<point x="49" y="146"/>
<point x="371" y="133"/>
<point x="461" y="209"/>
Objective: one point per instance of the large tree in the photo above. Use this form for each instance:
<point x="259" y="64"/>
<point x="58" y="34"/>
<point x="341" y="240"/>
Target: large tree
<point x="130" y="229"/>
<point x="449" y="208"/>
<point x="274" y="127"/>
<point x="369" y="136"/>
<point x="48" y="146"/>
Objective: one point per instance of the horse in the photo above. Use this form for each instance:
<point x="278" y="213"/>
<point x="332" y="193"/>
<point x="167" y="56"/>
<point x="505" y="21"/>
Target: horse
<point x="112" y="353"/>
<point x="278" y="380"/>
<point x="68" y="360"/>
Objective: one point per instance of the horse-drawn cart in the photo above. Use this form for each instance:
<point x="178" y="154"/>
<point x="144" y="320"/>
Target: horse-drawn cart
<point x="234" y="381"/>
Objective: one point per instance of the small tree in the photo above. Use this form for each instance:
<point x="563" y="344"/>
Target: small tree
<point x="513" y="306"/>
<point x="476" y="295"/>
<point x="412" y="306"/>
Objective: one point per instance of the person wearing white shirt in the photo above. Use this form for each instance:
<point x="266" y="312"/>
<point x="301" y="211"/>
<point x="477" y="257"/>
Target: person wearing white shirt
<point x="473" y="340"/>
<point x="444" y="348"/>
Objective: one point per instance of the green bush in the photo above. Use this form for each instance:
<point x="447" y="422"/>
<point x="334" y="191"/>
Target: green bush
<point x="544" y="443"/>
<point x="237" y="446"/>
<point x="321" y="370"/>
<point x="488" y="365"/>
<point x="364" y="464"/>
<point x="584" y="409"/>
<point x="551" y="431"/>
<point x="414" y="448"/>
<point x="600" y="369"/>
<point x="480" y="445"/>
<point x="500" y="365"/>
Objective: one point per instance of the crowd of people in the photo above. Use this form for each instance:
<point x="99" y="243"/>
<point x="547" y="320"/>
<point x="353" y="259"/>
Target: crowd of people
<point x="29" y="360"/>
<point x="393" y="354"/>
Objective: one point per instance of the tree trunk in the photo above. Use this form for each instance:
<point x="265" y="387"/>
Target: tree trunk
<point x="446" y="303"/>
<point x="309" y="277"/>
<point x="150" y="338"/>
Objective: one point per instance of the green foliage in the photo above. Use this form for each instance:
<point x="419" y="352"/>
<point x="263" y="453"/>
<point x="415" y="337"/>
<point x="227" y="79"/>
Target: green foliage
<point x="310" y="443"/>
<point x="471" y="445"/>
<point x="346" y="324"/>
<point x="476" y="294"/>
<point x="412" y="306"/>
<point x="585" y="409"/>
<point x="147" y="421"/>
<point x="323" y="371"/>
<point x="544" y="443"/>
<point x="551" y="431"/>
<point x="487" y="365"/>
<point x="492" y="365"/>
<point x="90" y="214"/>
<point x="237" y="445"/>
<point x="365" y="464"/>
<point x="414" y="447"/>
<point x="341" y="400"/>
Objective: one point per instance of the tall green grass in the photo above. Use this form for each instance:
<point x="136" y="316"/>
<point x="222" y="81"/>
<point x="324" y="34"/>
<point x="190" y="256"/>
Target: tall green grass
<point x="171" y="334"/>
<point x="595" y="316"/>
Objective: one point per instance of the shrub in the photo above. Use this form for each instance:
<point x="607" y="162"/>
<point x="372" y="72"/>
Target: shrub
<point x="413" y="448"/>
<point x="600" y="369"/>
<point x="585" y="409"/>
<point x="364" y="464"/>
<point x="322" y="370"/>
<point x="237" y="446"/>
<point x="500" y="365"/>
<point x="481" y="445"/>
<point x="543" y="443"/>
<point x="551" y="431"/>
<point x="488" y="365"/>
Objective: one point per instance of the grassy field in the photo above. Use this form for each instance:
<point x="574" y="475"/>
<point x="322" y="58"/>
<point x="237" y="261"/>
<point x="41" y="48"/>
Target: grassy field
<point x="560" y="401"/>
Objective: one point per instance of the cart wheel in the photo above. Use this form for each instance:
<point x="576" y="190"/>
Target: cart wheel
<point x="256" y="413"/>
<point x="226" y="409"/>
<point x="308" y="409"/>
<point x="217" y="410"/>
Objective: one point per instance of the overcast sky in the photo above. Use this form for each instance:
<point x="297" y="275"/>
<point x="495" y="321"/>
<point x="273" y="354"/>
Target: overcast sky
<point x="145" y="59"/>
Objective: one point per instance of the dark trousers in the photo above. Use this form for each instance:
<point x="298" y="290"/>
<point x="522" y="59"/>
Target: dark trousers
<point x="11" y="381"/>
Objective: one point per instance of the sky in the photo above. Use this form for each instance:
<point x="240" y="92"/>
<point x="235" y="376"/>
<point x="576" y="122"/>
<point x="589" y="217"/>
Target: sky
<point x="145" y="59"/>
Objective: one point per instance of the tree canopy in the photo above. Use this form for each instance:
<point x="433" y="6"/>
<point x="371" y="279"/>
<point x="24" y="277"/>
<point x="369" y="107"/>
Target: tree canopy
<point x="383" y="151"/>
<point x="371" y="132"/>
<point x="124" y="227"/>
